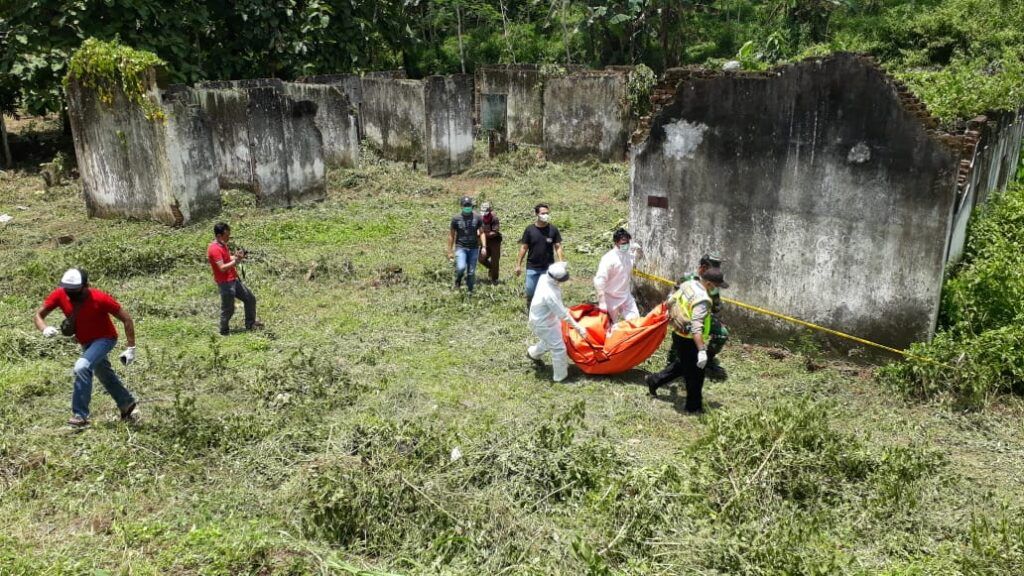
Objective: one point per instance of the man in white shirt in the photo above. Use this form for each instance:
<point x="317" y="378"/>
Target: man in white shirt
<point x="614" y="280"/>
<point x="546" y="314"/>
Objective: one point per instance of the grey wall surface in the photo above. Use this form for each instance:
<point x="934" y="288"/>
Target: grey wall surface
<point x="226" y="110"/>
<point x="335" y="118"/>
<point x="133" y="167"/>
<point x="393" y="118"/>
<point x="524" y="87"/>
<point x="992" y="155"/>
<point x="262" y="144"/>
<point x="448" y="105"/>
<point x="586" y="116"/>
<point x="829" y="199"/>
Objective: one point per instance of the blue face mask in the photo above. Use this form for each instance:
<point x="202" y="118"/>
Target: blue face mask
<point x="467" y="210"/>
<point x="624" y="248"/>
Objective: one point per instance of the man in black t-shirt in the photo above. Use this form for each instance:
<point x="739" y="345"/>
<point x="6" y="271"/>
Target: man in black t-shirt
<point x="543" y="243"/>
<point x="465" y="243"/>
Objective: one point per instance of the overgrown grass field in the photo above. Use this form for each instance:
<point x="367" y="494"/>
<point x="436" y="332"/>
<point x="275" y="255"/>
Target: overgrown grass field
<point x="383" y="423"/>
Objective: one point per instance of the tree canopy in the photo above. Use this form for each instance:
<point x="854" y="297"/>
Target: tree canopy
<point x="936" y="45"/>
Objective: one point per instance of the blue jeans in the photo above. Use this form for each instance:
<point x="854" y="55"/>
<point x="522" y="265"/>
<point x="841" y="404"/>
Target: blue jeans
<point x="94" y="361"/>
<point x="465" y="264"/>
<point x="532" y="276"/>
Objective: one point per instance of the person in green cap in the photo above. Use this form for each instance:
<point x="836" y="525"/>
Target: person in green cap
<point x="719" y="333"/>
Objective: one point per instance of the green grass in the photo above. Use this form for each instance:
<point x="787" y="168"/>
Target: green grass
<point x="324" y="443"/>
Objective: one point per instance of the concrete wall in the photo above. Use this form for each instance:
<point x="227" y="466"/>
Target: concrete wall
<point x="524" y="87"/>
<point x="336" y="119"/>
<point x="831" y="200"/>
<point x="586" y="116"/>
<point x="227" y="113"/>
<point x="448" y="105"/>
<point x="991" y="155"/>
<point x="351" y="84"/>
<point x="394" y="119"/>
<point x="133" y="167"/>
<point x="266" y="142"/>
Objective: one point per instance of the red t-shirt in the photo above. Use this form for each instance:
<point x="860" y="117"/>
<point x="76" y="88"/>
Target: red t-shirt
<point x="93" y="319"/>
<point x="218" y="251"/>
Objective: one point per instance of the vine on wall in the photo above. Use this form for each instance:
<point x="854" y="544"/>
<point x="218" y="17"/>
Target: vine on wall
<point x="107" y="66"/>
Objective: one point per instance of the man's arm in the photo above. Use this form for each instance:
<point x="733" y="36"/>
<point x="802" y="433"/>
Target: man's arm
<point x="482" y="238"/>
<point x="451" y="243"/>
<point x="233" y="262"/>
<point x="700" y="311"/>
<point x="39" y="319"/>
<point x="519" y="261"/>
<point x="129" y="326"/>
<point x="559" y="257"/>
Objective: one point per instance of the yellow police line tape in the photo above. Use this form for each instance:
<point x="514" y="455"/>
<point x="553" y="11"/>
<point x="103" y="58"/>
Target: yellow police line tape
<point x="799" y="321"/>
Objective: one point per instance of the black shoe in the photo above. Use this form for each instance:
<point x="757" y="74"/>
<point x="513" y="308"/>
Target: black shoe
<point x="715" y="372"/>
<point x="652" y="385"/>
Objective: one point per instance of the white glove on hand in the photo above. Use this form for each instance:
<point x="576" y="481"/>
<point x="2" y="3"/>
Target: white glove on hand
<point x="50" y="332"/>
<point x="582" y="332"/>
<point x="702" y="358"/>
<point x="128" y="356"/>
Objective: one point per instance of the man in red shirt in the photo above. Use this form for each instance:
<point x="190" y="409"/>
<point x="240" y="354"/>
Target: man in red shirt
<point x="87" y="312"/>
<point x="225" y="274"/>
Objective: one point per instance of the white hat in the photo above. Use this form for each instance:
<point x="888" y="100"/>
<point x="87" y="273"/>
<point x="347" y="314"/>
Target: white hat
<point x="72" y="279"/>
<point x="559" y="271"/>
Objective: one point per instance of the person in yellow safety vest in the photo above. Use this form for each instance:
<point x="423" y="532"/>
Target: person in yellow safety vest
<point x="719" y="333"/>
<point x="690" y="316"/>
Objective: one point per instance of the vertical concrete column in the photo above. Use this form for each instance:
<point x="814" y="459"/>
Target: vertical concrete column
<point x="448" y="109"/>
<point x="132" y="166"/>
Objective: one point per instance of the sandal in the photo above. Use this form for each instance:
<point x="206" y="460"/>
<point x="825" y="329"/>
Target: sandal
<point x="78" y="422"/>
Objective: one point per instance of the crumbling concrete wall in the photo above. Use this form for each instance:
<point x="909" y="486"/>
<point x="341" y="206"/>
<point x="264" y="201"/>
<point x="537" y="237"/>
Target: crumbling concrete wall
<point x="351" y="84"/>
<point x="394" y="118"/>
<point x="523" y="85"/>
<point x="991" y="155"/>
<point x="448" y="106"/>
<point x="586" y="115"/>
<point x="830" y="199"/>
<point x="267" y="142"/>
<point x="133" y="167"/>
<point x="336" y="119"/>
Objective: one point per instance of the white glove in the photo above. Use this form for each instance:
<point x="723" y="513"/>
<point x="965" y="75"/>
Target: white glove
<point x="702" y="358"/>
<point x="50" y="332"/>
<point x="128" y="356"/>
<point x="581" y="331"/>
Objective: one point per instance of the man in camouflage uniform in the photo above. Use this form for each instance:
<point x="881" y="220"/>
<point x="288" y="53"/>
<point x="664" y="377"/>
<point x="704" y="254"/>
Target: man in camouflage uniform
<point x="719" y="333"/>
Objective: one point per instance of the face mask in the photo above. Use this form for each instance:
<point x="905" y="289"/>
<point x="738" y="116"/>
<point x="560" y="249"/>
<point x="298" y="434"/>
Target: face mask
<point x="624" y="248"/>
<point x="545" y="217"/>
<point x="75" y="295"/>
<point x="467" y="210"/>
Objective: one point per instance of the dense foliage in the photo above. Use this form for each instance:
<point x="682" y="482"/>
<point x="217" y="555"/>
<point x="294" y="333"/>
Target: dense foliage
<point x="979" y="350"/>
<point x="978" y="40"/>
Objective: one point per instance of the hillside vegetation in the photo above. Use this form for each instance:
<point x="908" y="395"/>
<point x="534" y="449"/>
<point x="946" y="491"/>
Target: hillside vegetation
<point x="382" y="423"/>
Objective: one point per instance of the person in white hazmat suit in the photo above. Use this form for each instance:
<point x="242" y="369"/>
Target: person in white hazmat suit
<point x="546" y="314"/>
<point x="614" y="281"/>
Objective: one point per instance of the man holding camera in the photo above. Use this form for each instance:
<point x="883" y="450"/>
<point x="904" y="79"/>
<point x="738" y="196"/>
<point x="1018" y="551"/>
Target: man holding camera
<point x="87" y="314"/>
<point x="225" y="273"/>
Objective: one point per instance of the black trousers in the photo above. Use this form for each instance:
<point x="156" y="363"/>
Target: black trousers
<point x="684" y="363"/>
<point x="229" y="291"/>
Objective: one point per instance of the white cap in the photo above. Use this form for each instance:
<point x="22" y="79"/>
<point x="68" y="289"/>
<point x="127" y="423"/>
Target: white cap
<point x="72" y="279"/>
<point x="559" y="271"/>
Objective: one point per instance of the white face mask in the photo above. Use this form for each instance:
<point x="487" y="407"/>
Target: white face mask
<point x="624" y="248"/>
<point x="545" y="217"/>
